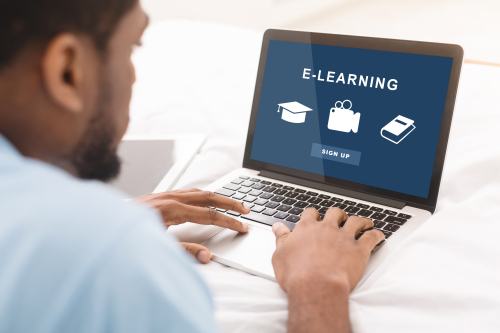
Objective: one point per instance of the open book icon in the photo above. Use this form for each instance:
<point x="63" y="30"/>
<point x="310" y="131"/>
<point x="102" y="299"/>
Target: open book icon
<point x="398" y="129"/>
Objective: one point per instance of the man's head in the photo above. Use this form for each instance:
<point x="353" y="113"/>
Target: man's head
<point x="66" y="79"/>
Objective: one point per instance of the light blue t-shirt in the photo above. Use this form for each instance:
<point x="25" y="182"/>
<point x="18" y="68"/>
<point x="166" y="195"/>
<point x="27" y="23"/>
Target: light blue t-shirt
<point x="74" y="257"/>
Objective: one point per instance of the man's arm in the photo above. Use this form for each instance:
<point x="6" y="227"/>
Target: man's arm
<point x="319" y="264"/>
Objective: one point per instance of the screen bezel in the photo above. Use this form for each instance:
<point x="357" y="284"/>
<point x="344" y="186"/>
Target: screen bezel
<point x="380" y="44"/>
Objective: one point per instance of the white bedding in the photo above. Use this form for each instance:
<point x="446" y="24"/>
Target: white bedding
<point x="196" y="77"/>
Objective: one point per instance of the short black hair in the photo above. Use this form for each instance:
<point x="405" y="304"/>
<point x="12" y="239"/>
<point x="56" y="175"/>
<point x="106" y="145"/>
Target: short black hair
<point x="25" y="21"/>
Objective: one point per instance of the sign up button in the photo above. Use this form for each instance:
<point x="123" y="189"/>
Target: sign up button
<point x="336" y="154"/>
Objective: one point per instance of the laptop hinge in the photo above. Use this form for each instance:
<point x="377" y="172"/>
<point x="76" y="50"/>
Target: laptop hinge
<point x="334" y="189"/>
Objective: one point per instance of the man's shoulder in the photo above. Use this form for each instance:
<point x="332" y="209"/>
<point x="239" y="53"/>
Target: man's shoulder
<point x="39" y="195"/>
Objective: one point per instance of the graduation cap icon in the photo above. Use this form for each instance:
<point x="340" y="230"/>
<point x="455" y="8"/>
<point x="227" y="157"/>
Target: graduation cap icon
<point x="293" y="112"/>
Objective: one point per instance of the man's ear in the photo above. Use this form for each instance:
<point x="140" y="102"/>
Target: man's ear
<point x="63" y="71"/>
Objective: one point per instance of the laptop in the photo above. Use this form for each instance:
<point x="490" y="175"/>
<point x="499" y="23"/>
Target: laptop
<point x="357" y="123"/>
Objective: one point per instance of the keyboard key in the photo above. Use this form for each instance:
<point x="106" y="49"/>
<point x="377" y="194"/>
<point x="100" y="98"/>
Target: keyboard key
<point x="352" y="209"/>
<point x="291" y="194"/>
<point x="269" y="212"/>
<point x="379" y="216"/>
<point x="296" y="211"/>
<point x="265" y="182"/>
<point x="276" y="185"/>
<point x="288" y="188"/>
<point x="230" y="212"/>
<point x="221" y="210"/>
<point x="323" y="210"/>
<point x="396" y="220"/>
<point x="315" y="200"/>
<point x="280" y="192"/>
<point x="247" y="183"/>
<point x="245" y="189"/>
<point x="327" y="203"/>
<point x="300" y="204"/>
<point x="258" y="186"/>
<point x="314" y="206"/>
<point x="298" y="190"/>
<point x="395" y="228"/>
<point x="281" y="215"/>
<point x="258" y="209"/>
<point x="266" y="195"/>
<point x="289" y="201"/>
<point x="323" y="196"/>
<point x="360" y="205"/>
<point x="255" y="193"/>
<point x="238" y="196"/>
<point x="232" y="187"/>
<point x="269" y="189"/>
<point x="237" y="181"/>
<point x="284" y="208"/>
<point x="261" y="202"/>
<point x="376" y="209"/>
<point x="255" y="180"/>
<point x="266" y="219"/>
<point x="379" y="224"/>
<point x="390" y="212"/>
<point x="350" y="203"/>
<point x="404" y="216"/>
<point x="365" y="213"/>
<point x="321" y="216"/>
<point x="278" y="198"/>
<point x="303" y="197"/>
<point x="337" y="199"/>
<point x="224" y="192"/>
<point x="312" y="194"/>
<point x="387" y="234"/>
<point x="272" y="204"/>
<point x="249" y="198"/>
<point x="391" y="227"/>
<point x="244" y="177"/>
<point x="293" y="218"/>
<point x="340" y="205"/>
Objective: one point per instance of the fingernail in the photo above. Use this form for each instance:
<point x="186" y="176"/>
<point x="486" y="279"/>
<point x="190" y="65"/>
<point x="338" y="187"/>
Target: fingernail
<point x="246" y="207"/>
<point x="276" y="227"/>
<point x="202" y="256"/>
<point x="245" y="227"/>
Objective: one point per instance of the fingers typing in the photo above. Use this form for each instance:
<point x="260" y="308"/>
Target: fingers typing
<point x="355" y="224"/>
<point x="335" y="215"/>
<point x="203" y="215"/>
<point x="371" y="238"/>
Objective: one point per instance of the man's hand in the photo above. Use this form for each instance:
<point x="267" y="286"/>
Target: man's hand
<point x="319" y="264"/>
<point x="177" y="207"/>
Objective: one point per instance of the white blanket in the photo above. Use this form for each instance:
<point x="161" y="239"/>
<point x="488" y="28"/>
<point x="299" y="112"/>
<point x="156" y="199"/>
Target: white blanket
<point x="196" y="77"/>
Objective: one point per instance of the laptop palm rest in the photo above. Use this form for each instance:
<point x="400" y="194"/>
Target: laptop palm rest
<point x="251" y="252"/>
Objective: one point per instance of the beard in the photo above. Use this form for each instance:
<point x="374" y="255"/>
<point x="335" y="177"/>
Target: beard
<point x="94" y="157"/>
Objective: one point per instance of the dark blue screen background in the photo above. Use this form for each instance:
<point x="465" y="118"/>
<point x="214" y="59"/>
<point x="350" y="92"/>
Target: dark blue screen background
<point x="420" y="96"/>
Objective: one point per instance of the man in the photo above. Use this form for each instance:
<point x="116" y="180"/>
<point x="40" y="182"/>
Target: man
<point x="74" y="256"/>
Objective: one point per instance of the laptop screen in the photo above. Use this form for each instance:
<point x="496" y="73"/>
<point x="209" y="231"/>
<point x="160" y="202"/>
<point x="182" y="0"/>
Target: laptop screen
<point x="365" y="116"/>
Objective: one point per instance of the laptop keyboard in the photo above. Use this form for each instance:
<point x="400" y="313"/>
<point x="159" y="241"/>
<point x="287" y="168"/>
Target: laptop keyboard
<point x="273" y="202"/>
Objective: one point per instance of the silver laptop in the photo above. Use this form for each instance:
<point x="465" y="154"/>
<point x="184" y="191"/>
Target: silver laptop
<point x="340" y="121"/>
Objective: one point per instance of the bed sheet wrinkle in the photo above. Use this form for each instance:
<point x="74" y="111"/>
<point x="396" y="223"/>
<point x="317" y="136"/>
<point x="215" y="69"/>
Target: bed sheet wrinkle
<point x="196" y="76"/>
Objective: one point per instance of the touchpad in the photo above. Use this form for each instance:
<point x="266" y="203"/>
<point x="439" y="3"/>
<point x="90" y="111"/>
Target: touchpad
<point x="251" y="252"/>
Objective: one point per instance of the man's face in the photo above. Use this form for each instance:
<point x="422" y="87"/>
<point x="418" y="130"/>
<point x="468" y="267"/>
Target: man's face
<point x="95" y="156"/>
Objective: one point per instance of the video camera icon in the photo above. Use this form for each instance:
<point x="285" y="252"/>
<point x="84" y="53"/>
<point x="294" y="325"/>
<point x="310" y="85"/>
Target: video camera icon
<point x="343" y="119"/>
